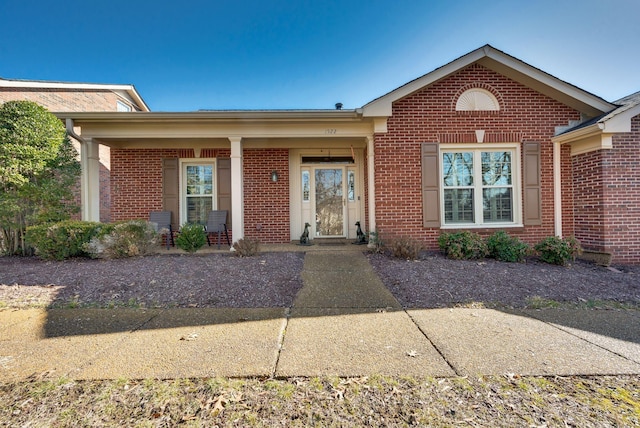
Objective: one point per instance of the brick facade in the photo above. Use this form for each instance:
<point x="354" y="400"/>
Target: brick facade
<point x="607" y="197"/>
<point x="266" y="204"/>
<point x="429" y="116"/>
<point x="136" y="182"/>
<point x="59" y="100"/>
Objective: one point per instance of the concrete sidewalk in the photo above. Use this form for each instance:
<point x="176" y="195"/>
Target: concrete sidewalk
<point x="343" y="322"/>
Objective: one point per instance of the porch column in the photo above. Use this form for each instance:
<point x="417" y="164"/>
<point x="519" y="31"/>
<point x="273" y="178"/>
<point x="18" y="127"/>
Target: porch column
<point x="557" y="189"/>
<point x="90" y="179"/>
<point x="371" y="184"/>
<point x="237" y="206"/>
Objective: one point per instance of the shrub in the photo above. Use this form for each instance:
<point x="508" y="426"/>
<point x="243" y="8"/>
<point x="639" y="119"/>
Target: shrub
<point x="246" y="247"/>
<point x="191" y="238"/>
<point x="405" y="247"/>
<point x="127" y="239"/>
<point x="506" y="248"/>
<point x="558" y="251"/>
<point x="65" y="239"/>
<point x="462" y="245"/>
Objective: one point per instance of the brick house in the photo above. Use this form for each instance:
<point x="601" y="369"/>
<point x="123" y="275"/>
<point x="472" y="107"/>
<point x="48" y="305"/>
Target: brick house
<point x="74" y="97"/>
<point x="485" y="142"/>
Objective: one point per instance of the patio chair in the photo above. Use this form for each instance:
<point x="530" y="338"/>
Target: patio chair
<point x="162" y="220"/>
<point x="217" y="223"/>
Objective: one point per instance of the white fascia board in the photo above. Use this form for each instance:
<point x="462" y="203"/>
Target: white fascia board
<point x="620" y="119"/>
<point x="383" y="106"/>
<point x="578" y="134"/>
<point x="548" y="80"/>
<point x="129" y="90"/>
<point x="504" y="64"/>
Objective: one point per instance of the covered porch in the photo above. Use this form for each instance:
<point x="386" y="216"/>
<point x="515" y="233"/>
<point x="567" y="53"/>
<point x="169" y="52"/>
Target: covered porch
<point x="269" y="169"/>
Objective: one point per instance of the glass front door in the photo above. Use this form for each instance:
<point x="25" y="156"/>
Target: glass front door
<point x="329" y="201"/>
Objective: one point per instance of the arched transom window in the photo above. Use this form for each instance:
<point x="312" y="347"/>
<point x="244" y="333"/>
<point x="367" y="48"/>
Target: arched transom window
<point x="477" y="99"/>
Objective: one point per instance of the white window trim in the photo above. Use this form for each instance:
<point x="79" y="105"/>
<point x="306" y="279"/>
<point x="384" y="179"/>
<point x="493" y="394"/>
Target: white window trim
<point x="183" y="183"/>
<point x="516" y="168"/>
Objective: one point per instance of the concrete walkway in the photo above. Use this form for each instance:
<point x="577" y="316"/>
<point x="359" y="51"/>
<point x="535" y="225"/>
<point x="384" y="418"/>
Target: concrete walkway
<point x="343" y="322"/>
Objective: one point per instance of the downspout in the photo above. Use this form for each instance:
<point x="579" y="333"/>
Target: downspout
<point x="557" y="190"/>
<point x="71" y="132"/>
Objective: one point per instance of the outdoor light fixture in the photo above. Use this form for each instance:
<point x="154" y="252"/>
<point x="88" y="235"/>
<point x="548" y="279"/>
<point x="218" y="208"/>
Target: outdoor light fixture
<point x="274" y="176"/>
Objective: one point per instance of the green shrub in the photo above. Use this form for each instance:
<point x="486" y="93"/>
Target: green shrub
<point x="462" y="245"/>
<point x="506" y="248"/>
<point x="65" y="239"/>
<point x="558" y="251"/>
<point x="246" y="247"/>
<point x="127" y="239"/>
<point x="405" y="247"/>
<point x="191" y="238"/>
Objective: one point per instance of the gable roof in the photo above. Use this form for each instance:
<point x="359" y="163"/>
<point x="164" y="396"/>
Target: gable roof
<point x="127" y="92"/>
<point x="616" y="120"/>
<point x="511" y="67"/>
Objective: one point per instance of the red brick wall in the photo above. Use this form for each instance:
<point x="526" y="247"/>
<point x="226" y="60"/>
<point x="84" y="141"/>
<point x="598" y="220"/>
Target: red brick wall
<point x="607" y="197"/>
<point x="266" y="204"/>
<point x="136" y="182"/>
<point x="429" y="116"/>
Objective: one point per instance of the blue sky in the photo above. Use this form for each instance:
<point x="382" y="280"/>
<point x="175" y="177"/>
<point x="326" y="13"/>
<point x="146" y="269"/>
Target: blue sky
<point x="195" y="54"/>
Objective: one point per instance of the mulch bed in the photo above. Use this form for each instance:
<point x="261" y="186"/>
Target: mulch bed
<point x="273" y="279"/>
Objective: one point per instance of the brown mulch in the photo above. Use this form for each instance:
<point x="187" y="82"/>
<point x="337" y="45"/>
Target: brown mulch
<point x="435" y="281"/>
<point x="273" y="279"/>
<point x="211" y="280"/>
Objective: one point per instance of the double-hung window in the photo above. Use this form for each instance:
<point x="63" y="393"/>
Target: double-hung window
<point x="198" y="191"/>
<point x="479" y="186"/>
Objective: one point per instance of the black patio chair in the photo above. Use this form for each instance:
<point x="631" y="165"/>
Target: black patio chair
<point x="217" y="223"/>
<point x="162" y="220"/>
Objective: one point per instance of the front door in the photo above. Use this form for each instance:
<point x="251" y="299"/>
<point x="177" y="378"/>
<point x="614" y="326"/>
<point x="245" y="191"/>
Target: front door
<point x="329" y="202"/>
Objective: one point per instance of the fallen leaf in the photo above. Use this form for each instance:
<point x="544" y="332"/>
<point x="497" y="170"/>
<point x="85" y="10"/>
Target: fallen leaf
<point x="192" y="336"/>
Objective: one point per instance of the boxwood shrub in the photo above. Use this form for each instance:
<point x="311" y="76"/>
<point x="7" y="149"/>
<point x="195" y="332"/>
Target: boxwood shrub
<point x="462" y="245"/>
<point x="65" y="239"/>
<point x="506" y="248"/>
<point x="558" y="251"/>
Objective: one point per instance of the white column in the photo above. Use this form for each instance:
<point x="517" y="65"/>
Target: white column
<point x="90" y="179"/>
<point x="237" y="206"/>
<point x="371" y="184"/>
<point x="557" y="189"/>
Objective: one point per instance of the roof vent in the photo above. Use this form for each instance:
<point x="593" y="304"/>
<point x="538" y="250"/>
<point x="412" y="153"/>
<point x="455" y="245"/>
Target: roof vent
<point x="338" y="106"/>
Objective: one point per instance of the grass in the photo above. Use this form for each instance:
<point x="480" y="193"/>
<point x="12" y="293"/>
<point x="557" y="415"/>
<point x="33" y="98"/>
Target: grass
<point x="537" y="302"/>
<point x="508" y="400"/>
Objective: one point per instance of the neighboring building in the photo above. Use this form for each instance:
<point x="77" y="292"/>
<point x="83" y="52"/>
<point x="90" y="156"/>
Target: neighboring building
<point x="485" y="142"/>
<point x="74" y="97"/>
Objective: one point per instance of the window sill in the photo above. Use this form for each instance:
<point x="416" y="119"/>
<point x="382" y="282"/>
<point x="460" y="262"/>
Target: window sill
<point x="482" y="227"/>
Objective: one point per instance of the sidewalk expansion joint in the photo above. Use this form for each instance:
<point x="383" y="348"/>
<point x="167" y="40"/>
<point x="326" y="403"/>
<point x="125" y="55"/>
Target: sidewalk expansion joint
<point x="283" y="331"/>
<point x="451" y="366"/>
<point x="586" y="340"/>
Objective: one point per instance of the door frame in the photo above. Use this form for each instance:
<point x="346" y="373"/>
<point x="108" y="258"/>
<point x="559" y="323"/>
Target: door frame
<point x="353" y="210"/>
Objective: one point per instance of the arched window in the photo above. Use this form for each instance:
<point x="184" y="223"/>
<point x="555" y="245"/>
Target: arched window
<point x="477" y="99"/>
